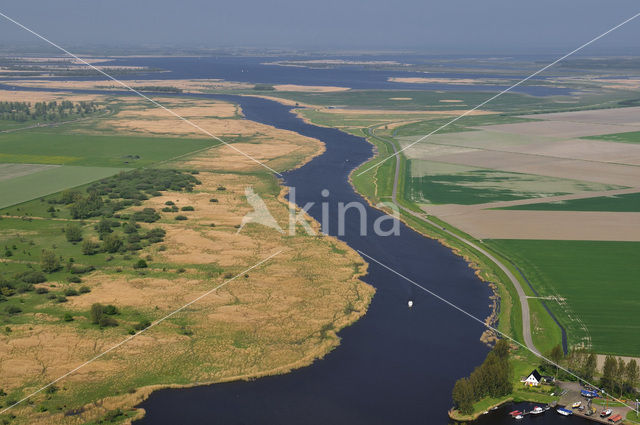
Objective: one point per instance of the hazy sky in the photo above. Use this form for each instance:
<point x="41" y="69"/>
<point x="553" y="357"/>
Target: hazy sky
<point x="456" y="26"/>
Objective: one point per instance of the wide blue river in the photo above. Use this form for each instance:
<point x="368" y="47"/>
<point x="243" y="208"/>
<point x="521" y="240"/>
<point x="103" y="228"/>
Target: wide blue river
<point x="395" y="365"/>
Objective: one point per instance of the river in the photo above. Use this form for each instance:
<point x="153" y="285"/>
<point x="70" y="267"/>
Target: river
<point x="395" y="365"/>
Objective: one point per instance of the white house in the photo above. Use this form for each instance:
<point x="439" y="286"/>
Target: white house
<point x="533" y="380"/>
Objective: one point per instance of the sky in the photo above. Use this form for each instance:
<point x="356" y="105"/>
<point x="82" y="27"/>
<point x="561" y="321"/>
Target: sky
<point x="437" y="26"/>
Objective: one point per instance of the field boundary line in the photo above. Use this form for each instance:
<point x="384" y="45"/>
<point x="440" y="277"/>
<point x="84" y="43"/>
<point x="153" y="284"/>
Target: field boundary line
<point x="129" y="338"/>
<point x="593" y="40"/>
<point x="126" y="86"/>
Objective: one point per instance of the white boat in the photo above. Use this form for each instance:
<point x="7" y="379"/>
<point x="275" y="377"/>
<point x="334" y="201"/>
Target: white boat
<point x="537" y="410"/>
<point x="410" y="303"/>
<point x="519" y="417"/>
<point x="576" y="404"/>
<point x="563" y="411"/>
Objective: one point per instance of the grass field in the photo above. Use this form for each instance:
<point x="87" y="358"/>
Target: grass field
<point x="426" y="100"/>
<point x="55" y="147"/>
<point x="630" y="137"/>
<point x="618" y="203"/>
<point x="596" y="283"/>
<point x="24" y="188"/>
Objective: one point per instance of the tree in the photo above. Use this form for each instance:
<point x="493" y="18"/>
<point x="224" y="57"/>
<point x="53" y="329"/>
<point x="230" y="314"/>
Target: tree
<point x="49" y="261"/>
<point x="556" y="355"/>
<point x="73" y="232"/>
<point x="96" y="313"/>
<point x="620" y="374"/>
<point x="590" y="366"/>
<point x="631" y="375"/>
<point x="463" y="396"/>
<point x="609" y="372"/>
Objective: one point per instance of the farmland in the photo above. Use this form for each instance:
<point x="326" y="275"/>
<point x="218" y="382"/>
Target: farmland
<point x="619" y="203"/>
<point x="595" y="283"/>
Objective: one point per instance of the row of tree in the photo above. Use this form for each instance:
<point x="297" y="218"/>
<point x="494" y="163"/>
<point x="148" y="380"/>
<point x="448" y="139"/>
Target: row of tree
<point x="44" y="111"/>
<point x="620" y="377"/>
<point x="491" y="379"/>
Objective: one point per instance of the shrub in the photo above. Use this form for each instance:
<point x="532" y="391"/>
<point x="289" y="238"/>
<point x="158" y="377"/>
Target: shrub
<point x="170" y="203"/>
<point x="84" y="289"/>
<point x="213" y="200"/>
<point x="96" y="313"/>
<point x="33" y="277"/>
<point x="143" y="324"/>
<point x="140" y="264"/>
<point x="187" y="208"/>
<point x="181" y="217"/>
<point x="41" y="290"/>
<point x="112" y="243"/>
<point x="90" y="247"/>
<point x="110" y="309"/>
<point x="61" y="299"/>
<point x="74" y="279"/>
<point x="68" y="317"/>
<point x="221" y="188"/>
<point x="70" y="292"/>
<point x="78" y="269"/>
<point x="107" y="322"/>
<point x="147" y="215"/>
<point x="73" y="232"/>
<point x="13" y="309"/>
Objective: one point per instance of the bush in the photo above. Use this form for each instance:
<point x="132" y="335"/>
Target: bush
<point x="213" y="200"/>
<point x="13" y="309"/>
<point x="107" y="322"/>
<point x="74" y="279"/>
<point x="187" y="208"/>
<point x="170" y="203"/>
<point x="147" y="215"/>
<point x="96" y="313"/>
<point x="41" y="290"/>
<point x="78" y="269"/>
<point x="70" y="292"/>
<point x="143" y="324"/>
<point x="181" y="217"/>
<point x="61" y="299"/>
<point x="112" y="243"/>
<point x="140" y="264"/>
<point x="84" y="289"/>
<point x="110" y="309"/>
<point x="68" y="317"/>
<point x="33" y="277"/>
<point x="90" y="247"/>
<point x="73" y="232"/>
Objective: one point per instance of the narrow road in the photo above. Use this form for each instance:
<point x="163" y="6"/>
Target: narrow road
<point x="526" y="318"/>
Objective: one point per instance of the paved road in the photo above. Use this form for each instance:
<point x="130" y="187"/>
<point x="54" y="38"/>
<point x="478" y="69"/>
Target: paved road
<point x="526" y="317"/>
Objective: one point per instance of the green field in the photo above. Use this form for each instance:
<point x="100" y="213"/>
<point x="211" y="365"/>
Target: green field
<point x="618" y="203"/>
<point x="598" y="282"/>
<point x="630" y="137"/>
<point x="50" y="180"/>
<point x="56" y="147"/>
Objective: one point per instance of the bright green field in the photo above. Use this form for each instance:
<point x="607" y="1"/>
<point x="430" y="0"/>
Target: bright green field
<point x="619" y="203"/>
<point x="55" y="147"/>
<point x="630" y="137"/>
<point x="24" y="188"/>
<point x="598" y="280"/>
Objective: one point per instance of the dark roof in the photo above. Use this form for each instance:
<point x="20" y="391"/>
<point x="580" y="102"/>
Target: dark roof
<point x="535" y="375"/>
<point x="548" y="378"/>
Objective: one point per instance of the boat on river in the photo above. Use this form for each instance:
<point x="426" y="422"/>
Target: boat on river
<point x="564" y="412"/>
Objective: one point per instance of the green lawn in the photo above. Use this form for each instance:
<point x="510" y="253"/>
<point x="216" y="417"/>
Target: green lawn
<point x="619" y="203"/>
<point x="629" y="137"/>
<point x="24" y="188"/>
<point x="597" y="285"/>
<point x="55" y="147"/>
